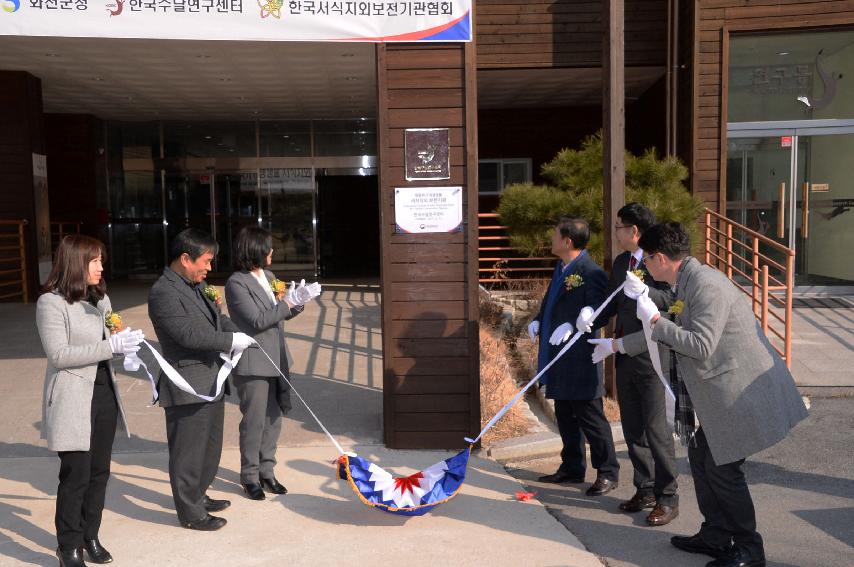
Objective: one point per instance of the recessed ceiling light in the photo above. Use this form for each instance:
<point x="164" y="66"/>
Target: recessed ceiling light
<point x="97" y="79"/>
<point x="52" y="55"/>
<point x="781" y="53"/>
<point x="224" y="80"/>
<point x="351" y="78"/>
<point x="208" y="137"/>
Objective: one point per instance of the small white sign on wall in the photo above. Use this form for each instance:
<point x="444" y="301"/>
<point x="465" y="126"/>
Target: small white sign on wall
<point x="428" y="209"/>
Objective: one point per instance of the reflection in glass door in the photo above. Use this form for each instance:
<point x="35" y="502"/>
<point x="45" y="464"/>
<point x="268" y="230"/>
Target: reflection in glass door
<point x="288" y="211"/>
<point x="235" y="205"/>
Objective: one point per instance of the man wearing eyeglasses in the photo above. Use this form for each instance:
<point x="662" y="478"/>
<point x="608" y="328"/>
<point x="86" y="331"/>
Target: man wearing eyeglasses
<point x="727" y="372"/>
<point x="640" y="392"/>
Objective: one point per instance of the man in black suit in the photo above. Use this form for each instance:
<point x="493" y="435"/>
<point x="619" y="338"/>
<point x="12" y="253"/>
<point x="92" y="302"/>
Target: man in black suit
<point x="640" y="393"/>
<point x="192" y="333"/>
<point x="574" y="382"/>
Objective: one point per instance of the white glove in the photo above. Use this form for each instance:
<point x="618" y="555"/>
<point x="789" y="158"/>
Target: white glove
<point x="604" y="349"/>
<point x="313" y="288"/>
<point x="126" y="341"/>
<point x="634" y="286"/>
<point x="584" y="323"/>
<point x="561" y="334"/>
<point x="533" y="329"/>
<point x="646" y="309"/>
<point x="242" y="341"/>
<point x="302" y="294"/>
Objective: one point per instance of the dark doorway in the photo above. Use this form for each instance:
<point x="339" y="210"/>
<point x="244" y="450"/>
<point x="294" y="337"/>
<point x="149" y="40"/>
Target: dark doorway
<point x="348" y="218"/>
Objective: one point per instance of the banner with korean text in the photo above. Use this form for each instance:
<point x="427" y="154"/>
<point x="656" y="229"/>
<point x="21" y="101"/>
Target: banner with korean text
<point x="243" y="20"/>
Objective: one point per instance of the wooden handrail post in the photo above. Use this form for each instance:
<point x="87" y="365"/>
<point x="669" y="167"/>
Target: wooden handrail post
<point x="755" y="275"/>
<point x="708" y="237"/>
<point x="729" y="250"/>
<point x="790" y="285"/>
<point x="764" y="318"/>
<point x="22" y="245"/>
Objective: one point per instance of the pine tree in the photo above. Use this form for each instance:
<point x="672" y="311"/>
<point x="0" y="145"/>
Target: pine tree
<point x="531" y="211"/>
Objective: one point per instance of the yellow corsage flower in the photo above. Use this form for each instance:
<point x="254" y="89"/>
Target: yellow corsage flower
<point x="212" y="293"/>
<point x="113" y="322"/>
<point x="677" y="307"/>
<point x="639" y="274"/>
<point x="279" y="288"/>
<point x="573" y="281"/>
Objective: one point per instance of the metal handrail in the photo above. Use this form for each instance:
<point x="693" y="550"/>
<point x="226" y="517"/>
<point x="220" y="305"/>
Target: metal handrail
<point x="504" y="264"/>
<point x="19" y="261"/>
<point x="722" y="234"/>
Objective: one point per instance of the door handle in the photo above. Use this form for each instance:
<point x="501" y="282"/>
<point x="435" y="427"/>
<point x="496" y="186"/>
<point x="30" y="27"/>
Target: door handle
<point x="781" y="212"/>
<point x="805" y="211"/>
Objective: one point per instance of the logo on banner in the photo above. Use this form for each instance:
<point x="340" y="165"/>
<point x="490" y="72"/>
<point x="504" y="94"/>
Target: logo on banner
<point x="271" y="8"/>
<point x="116" y="9"/>
<point x="14" y="7"/>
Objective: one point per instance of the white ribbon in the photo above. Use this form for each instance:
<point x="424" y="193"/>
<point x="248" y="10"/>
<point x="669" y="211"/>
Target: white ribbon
<point x="655" y="357"/>
<point x="341" y="451"/>
<point x="533" y="380"/>
<point x="132" y="363"/>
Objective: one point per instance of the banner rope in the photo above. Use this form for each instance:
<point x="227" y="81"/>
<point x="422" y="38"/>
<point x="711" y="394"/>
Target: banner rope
<point x="533" y="380"/>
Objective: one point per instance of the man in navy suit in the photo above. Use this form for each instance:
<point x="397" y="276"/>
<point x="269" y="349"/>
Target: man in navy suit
<point x="574" y="382"/>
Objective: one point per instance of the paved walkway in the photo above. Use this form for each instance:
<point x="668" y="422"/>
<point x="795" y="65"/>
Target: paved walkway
<point x="337" y="349"/>
<point x="823" y="343"/>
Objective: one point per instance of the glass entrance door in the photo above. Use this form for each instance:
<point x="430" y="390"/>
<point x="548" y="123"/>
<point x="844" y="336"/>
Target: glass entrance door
<point x="824" y="210"/>
<point x="794" y="187"/>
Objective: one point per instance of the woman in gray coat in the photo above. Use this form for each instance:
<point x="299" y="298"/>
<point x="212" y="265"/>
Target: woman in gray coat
<point x="258" y="310"/>
<point x="81" y="402"/>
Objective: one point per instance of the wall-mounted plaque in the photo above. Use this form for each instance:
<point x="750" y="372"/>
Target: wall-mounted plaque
<point x="427" y="153"/>
<point x="428" y="209"/>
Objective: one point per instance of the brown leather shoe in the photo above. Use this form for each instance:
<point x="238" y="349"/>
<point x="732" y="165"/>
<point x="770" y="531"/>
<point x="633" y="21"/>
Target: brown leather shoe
<point x="662" y="515"/>
<point x="637" y="503"/>
<point x="601" y="486"/>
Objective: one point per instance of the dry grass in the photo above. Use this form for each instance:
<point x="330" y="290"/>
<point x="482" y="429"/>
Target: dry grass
<point x="497" y="386"/>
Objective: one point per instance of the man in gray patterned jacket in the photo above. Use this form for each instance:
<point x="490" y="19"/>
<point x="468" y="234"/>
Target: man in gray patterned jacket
<point x="744" y="396"/>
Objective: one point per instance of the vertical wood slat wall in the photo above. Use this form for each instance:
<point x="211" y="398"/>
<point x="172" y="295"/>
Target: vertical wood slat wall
<point x="431" y="362"/>
<point x="713" y="21"/>
<point x="565" y="33"/>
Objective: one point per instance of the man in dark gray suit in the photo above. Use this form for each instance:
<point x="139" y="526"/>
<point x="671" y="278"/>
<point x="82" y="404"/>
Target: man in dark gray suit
<point x="192" y="333"/>
<point x="727" y="371"/>
<point x="640" y="392"/>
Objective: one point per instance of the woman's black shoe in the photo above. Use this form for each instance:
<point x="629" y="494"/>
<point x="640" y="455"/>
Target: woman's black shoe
<point x="254" y="491"/>
<point x="97" y="553"/>
<point x="273" y="485"/>
<point x="70" y="558"/>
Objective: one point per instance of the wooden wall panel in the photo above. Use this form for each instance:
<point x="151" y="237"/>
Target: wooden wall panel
<point x="564" y="33"/>
<point x="431" y="382"/>
<point x="710" y="24"/>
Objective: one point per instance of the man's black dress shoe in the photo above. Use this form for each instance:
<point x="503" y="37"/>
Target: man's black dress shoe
<point x="738" y="558"/>
<point x="253" y="491"/>
<point x="637" y="503"/>
<point x="273" y="486"/>
<point x="70" y="558"/>
<point x="207" y="524"/>
<point x="212" y="505"/>
<point x="662" y="515"/>
<point x="601" y="486"/>
<point x="559" y="477"/>
<point x="696" y="544"/>
<point x="97" y="553"/>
